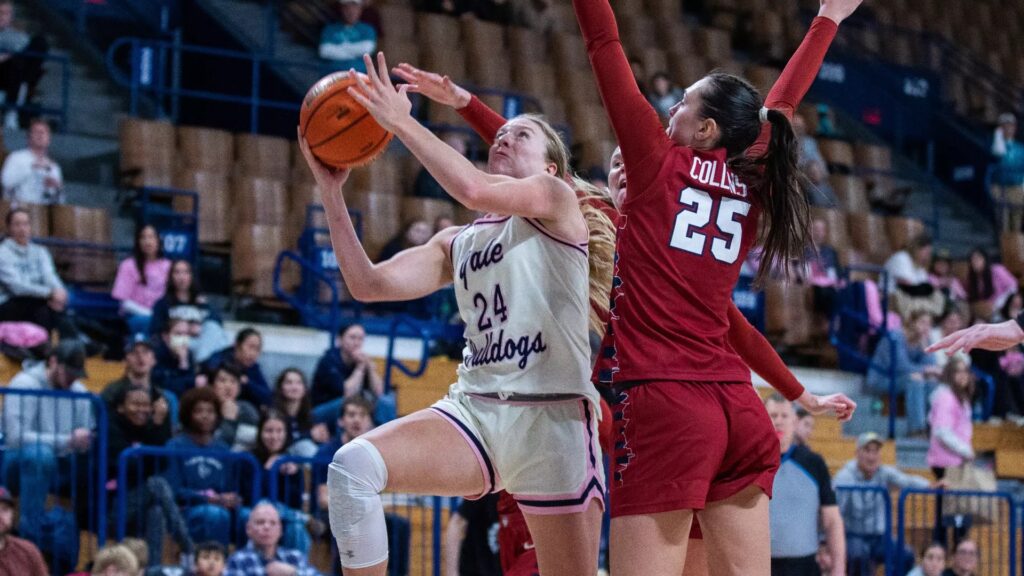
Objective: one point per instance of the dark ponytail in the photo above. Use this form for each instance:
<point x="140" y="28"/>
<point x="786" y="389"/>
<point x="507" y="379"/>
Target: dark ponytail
<point x="735" y="106"/>
<point x="785" y="235"/>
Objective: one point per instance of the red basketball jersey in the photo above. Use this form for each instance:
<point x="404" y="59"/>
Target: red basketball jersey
<point x="681" y="243"/>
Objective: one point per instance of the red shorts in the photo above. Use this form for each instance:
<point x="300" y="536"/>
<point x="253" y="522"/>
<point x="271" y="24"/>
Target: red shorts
<point x="680" y="445"/>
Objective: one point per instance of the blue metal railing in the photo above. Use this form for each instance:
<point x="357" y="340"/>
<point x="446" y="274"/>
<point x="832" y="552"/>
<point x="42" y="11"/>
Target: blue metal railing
<point x="164" y="456"/>
<point x="417" y="327"/>
<point x="311" y="313"/>
<point x="151" y="66"/>
<point x="991" y="519"/>
<point x="91" y="465"/>
<point x="876" y="504"/>
<point x="399" y="506"/>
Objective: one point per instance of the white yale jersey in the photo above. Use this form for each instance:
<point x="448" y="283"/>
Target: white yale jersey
<point x="524" y="297"/>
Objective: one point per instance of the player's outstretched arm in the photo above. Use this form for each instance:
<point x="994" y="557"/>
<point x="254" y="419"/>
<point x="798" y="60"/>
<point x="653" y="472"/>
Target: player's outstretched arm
<point x="993" y="337"/>
<point x="410" y="274"/>
<point x="542" y="196"/>
<point x="441" y="89"/>
<point x="637" y="126"/>
<point x="762" y="358"/>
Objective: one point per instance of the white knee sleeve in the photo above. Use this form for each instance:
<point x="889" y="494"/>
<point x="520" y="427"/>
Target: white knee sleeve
<point x="355" y="480"/>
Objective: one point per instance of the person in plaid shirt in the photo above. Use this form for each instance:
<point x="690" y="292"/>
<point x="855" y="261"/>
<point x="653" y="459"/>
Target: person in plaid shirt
<point x="262" y="556"/>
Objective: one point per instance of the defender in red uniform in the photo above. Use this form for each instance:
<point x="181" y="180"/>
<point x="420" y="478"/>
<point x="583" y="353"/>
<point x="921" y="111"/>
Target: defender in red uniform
<point x="693" y="434"/>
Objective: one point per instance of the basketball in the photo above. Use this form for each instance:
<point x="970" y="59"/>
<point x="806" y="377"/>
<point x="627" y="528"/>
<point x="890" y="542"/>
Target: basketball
<point x="339" y="130"/>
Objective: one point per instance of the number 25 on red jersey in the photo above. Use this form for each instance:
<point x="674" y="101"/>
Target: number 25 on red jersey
<point x="699" y="210"/>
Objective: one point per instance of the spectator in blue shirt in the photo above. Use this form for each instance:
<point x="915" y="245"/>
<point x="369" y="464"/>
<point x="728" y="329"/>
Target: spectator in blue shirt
<point x="1009" y="173"/>
<point x="207" y="484"/>
<point x="914" y="370"/>
<point x="345" y="42"/>
<point x="263" y="555"/>
<point x="246" y="355"/>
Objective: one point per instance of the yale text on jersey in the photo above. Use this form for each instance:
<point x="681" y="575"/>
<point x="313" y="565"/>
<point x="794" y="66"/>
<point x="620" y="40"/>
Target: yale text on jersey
<point x="480" y="259"/>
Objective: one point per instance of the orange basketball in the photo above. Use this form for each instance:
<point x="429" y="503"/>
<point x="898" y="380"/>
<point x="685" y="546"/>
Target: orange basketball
<point x="339" y="130"/>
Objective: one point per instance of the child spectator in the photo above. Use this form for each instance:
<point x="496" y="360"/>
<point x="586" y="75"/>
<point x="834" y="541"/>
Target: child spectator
<point x="29" y="175"/>
<point x="141" y="280"/>
<point x="952" y="321"/>
<point x="245" y="354"/>
<point x="933" y="561"/>
<point x="139" y="550"/>
<point x="988" y="285"/>
<point x="176" y="368"/>
<point x="238" y="419"/>
<point x="151" y="510"/>
<point x="210" y="560"/>
<point x="344" y="42"/>
<point x="292" y="398"/>
<point x="965" y="559"/>
<point x="950" y="419"/>
<point x="206" y="484"/>
<point x="914" y="370"/>
<point x="346" y="371"/>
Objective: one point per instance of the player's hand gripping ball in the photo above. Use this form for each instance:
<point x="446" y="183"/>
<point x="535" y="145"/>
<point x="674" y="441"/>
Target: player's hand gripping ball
<point x="339" y="130"/>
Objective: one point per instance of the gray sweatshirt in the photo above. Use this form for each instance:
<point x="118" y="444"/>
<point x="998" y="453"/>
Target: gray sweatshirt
<point x="26" y="271"/>
<point x="30" y="420"/>
<point x="864" y="512"/>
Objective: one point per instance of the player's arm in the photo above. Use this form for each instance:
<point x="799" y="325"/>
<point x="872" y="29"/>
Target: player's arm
<point x="542" y="196"/>
<point x="995" y="337"/>
<point x="636" y="124"/>
<point x="441" y="89"/>
<point x="410" y="274"/>
<point x="761" y="357"/>
<point x="801" y="70"/>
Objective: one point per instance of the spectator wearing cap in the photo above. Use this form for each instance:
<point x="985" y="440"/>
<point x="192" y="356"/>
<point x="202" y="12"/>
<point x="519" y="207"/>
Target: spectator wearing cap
<point x="802" y="499"/>
<point x="41" y="432"/>
<point x="864" y="513"/>
<point x="30" y="175"/>
<point x="344" y="42"/>
<point x="17" y="556"/>
<point x="139" y="360"/>
<point x="1009" y="172"/>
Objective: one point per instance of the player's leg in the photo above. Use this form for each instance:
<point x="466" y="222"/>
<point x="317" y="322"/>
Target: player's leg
<point x="736" y="534"/>
<point x="567" y="544"/>
<point x="696" y="553"/>
<point x="420" y="453"/>
<point x="646" y="544"/>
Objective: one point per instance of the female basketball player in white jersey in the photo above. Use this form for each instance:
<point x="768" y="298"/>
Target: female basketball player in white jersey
<point x="522" y="414"/>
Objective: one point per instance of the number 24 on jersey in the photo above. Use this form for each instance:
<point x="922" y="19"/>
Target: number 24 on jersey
<point x="699" y="210"/>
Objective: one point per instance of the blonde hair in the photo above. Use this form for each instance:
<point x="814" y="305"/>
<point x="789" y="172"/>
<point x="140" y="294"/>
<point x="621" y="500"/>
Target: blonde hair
<point x="601" y="240"/>
<point x="139" y="549"/>
<point x="118" y="556"/>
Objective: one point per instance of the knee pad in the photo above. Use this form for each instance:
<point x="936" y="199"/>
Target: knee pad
<point x="355" y="480"/>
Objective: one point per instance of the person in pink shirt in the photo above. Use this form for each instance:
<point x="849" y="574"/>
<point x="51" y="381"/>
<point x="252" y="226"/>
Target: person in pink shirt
<point x="942" y="277"/>
<point x="950" y="419"/>
<point x="988" y="284"/>
<point x="141" y="280"/>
